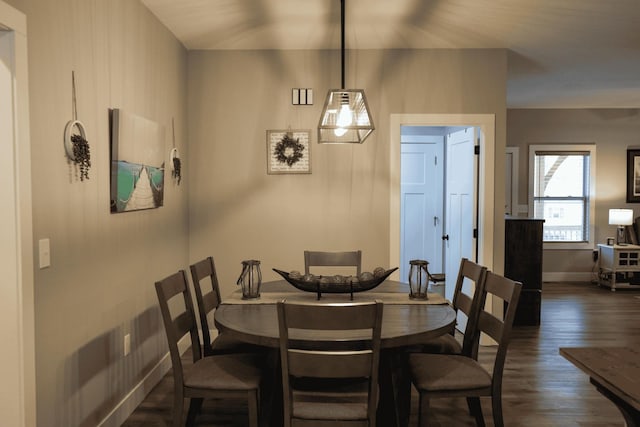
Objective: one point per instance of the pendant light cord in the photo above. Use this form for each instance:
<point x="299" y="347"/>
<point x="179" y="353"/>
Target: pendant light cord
<point x="173" y="130"/>
<point x="74" y="108"/>
<point x="342" y="20"/>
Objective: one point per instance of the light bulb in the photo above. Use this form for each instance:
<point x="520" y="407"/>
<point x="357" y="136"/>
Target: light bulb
<point x="345" y="116"/>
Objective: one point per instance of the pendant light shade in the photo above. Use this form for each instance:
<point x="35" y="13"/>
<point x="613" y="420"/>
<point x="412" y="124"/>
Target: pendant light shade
<point x="345" y="117"/>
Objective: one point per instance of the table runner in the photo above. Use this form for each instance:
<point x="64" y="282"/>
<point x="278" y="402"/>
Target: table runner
<point x="293" y="296"/>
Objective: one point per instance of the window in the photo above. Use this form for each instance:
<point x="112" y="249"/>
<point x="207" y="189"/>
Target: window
<point x="561" y="192"/>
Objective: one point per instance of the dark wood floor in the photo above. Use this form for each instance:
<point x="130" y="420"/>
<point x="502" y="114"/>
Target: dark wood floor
<point x="540" y="387"/>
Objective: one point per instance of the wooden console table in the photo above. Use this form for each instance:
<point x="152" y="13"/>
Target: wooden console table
<point x="615" y="372"/>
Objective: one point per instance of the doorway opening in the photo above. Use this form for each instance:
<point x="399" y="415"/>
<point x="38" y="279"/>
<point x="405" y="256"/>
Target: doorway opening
<point x="485" y="126"/>
<point x="438" y="200"/>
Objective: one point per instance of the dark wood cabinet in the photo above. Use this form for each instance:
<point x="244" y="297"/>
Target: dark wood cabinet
<point x="523" y="262"/>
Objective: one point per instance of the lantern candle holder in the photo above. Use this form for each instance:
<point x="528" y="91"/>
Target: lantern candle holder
<point x="250" y="279"/>
<point x="418" y="279"/>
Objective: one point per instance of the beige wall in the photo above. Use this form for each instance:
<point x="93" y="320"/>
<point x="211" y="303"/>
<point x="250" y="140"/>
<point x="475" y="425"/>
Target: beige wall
<point x="238" y="212"/>
<point x="18" y="4"/>
<point x="613" y="131"/>
<point x="103" y="266"/>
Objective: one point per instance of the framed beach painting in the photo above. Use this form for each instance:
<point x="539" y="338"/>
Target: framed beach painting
<point x="137" y="162"/>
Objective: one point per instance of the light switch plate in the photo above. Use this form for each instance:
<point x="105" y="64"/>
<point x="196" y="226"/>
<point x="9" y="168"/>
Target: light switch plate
<point x="44" y="251"/>
<point x="302" y="96"/>
<point x="127" y="344"/>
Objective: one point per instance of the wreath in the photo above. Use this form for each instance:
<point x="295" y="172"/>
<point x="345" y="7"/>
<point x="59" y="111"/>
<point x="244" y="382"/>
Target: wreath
<point x="288" y="150"/>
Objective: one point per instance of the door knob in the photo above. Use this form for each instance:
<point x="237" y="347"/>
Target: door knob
<point x="445" y="237"/>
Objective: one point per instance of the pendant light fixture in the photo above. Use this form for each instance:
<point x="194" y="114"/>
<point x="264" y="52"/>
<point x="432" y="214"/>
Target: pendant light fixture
<point x="345" y="116"/>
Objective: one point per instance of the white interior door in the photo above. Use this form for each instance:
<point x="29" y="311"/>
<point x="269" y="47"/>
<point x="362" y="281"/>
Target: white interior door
<point x="460" y="206"/>
<point x="421" y="203"/>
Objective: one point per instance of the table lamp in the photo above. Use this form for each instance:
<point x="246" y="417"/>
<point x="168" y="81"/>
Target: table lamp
<point x="620" y="217"/>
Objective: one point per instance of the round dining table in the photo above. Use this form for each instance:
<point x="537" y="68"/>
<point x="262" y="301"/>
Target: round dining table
<point x="404" y="322"/>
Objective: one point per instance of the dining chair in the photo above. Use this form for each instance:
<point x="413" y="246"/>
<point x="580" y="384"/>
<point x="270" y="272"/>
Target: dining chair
<point x="330" y="383"/>
<point x="466" y="303"/>
<point x="205" y="283"/>
<point x="235" y="376"/>
<point x="334" y="259"/>
<point x="440" y="375"/>
<point x="469" y="273"/>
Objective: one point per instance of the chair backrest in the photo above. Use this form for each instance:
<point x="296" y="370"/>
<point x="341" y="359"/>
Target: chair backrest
<point x="302" y="356"/>
<point x="337" y="259"/>
<point x="207" y="296"/>
<point x="183" y="322"/>
<point x="469" y="304"/>
<point x="499" y="329"/>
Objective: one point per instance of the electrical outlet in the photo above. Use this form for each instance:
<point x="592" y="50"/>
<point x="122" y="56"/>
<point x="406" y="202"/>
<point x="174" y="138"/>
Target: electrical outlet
<point x="595" y="255"/>
<point x="127" y="344"/>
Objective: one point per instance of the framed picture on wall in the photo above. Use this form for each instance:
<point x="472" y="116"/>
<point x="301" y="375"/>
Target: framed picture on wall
<point x="137" y="162"/>
<point x="288" y="151"/>
<point x="633" y="175"/>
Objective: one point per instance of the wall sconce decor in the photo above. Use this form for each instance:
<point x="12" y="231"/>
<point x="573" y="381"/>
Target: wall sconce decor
<point x="621" y="218"/>
<point x="176" y="163"/>
<point x="176" y="166"/>
<point x="345" y="117"/>
<point x="75" y="138"/>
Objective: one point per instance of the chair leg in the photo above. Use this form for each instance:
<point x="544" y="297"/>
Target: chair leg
<point x="194" y="407"/>
<point x="178" y="409"/>
<point x="475" y="409"/>
<point x="423" y="411"/>
<point x="496" y="406"/>
<point x="402" y="388"/>
<point x="253" y="404"/>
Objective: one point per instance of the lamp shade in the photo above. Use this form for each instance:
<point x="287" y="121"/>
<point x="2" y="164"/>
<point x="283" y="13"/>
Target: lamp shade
<point x="620" y="216"/>
<point x="345" y="117"/>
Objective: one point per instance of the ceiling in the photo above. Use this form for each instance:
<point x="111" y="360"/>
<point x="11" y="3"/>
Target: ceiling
<point x="562" y="53"/>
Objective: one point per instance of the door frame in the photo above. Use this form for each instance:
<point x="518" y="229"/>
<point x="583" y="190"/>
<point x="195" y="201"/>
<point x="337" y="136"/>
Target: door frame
<point x="513" y="156"/>
<point x="17" y="313"/>
<point x="486" y="184"/>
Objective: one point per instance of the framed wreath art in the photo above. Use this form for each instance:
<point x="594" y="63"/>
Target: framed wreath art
<point x="288" y="151"/>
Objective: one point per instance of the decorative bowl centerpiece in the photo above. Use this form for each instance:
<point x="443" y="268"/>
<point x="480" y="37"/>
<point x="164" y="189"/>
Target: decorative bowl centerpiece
<point x="336" y="284"/>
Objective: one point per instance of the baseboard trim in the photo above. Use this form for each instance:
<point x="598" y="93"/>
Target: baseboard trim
<point x="130" y="402"/>
<point x="565" y="276"/>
